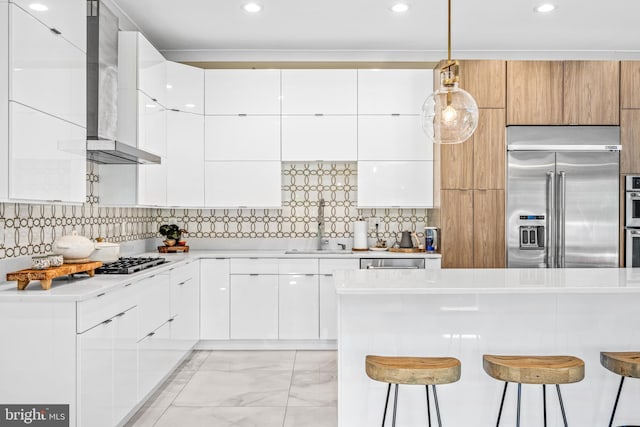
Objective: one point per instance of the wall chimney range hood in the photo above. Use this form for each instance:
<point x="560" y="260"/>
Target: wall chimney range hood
<point x="102" y="92"/>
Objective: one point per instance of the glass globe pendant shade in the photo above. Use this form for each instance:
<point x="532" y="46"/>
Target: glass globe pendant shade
<point x="449" y="115"/>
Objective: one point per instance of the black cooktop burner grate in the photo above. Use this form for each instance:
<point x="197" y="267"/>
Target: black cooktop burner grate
<point x="129" y="265"/>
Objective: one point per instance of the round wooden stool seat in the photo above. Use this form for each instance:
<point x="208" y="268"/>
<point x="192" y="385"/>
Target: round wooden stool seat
<point x="534" y="369"/>
<point x="413" y="370"/>
<point x="625" y="363"/>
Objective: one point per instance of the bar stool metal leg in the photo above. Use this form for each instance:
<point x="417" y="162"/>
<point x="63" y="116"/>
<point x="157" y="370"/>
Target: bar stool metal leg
<point x="504" y="393"/>
<point x="564" y="416"/>
<point x="386" y="405"/>
<point x="544" y="404"/>
<point x="435" y="399"/>
<point x="615" y="405"/>
<point x="518" y="411"/>
<point x="395" y="406"/>
<point x="428" y="405"/>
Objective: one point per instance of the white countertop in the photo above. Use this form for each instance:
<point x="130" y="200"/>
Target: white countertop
<point x="475" y="281"/>
<point x="82" y="287"/>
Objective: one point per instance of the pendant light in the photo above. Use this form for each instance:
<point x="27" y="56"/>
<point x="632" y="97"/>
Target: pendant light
<point x="450" y="114"/>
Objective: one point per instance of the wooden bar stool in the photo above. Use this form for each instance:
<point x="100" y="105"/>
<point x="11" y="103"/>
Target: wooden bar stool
<point x="426" y="371"/>
<point x="625" y="364"/>
<point x="534" y="370"/>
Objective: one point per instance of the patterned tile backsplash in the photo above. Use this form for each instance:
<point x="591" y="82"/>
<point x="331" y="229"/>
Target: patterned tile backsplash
<point x="27" y="229"/>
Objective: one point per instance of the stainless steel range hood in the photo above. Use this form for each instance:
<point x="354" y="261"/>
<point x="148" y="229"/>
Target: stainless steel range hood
<point x="102" y="92"/>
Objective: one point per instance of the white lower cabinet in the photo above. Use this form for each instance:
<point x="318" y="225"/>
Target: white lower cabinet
<point x="214" y="299"/>
<point x="185" y="307"/>
<point x="298" y="306"/>
<point x="155" y="359"/>
<point x="328" y="297"/>
<point x="254" y="306"/>
<point x="107" y="370"/>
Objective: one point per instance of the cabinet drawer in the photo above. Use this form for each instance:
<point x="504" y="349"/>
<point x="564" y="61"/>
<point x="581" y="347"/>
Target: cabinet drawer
<point x="184" y="272"/>
<point x="328" y="266"/>
<point x="298" y="266"/>
<point x="102" y="307"/>
<point x="154" y="303"/>
<point x="254" y="266"/>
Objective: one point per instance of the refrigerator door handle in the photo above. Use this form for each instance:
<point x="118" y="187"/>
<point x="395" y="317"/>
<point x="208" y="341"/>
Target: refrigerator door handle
<point x="562" y="201"/>
<point x="551" y="215"/>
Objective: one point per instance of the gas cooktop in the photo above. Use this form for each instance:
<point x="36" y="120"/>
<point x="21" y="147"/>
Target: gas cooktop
<point x="129" y="265"/>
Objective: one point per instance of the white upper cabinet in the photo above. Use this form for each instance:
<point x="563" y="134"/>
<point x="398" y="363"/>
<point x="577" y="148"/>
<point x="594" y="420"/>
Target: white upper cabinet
<point x="46" y="71"/>
<point x="185" y="165"/>
<point x="395" y="184"/>
<point x="141" y="66"/>
<point x="242" y="138"/>
<point x="311" y="138"/>
<point x="232" y="92"/>
<point x="47" y="157"/>
<point x="312" y="92"/>
<point x="243" y="184"/>
<point x="393" y="91"/>
<point x="4" y="99"/>
<point x="185" y="88"/>
<point x="392" y="138"/>
<point x="68" y="17"/>
<point x="152" y="128"/>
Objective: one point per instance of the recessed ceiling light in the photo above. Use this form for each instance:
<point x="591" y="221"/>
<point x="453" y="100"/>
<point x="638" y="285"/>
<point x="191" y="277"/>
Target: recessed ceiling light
<point x="252" y="7"/>
<point x="544" y="8"/>
<point x="38" y="7"/>
<point x="169" y="86"/>
<point x="400" y="7"/>
<point x="190" y="105"/>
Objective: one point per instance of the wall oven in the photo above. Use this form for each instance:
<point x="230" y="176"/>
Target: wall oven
<point x="633" y="248"/>
<point x="632" y="202"/>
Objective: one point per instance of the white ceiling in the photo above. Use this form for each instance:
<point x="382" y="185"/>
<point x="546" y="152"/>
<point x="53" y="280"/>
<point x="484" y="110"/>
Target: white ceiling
<point x="222" y="30"/>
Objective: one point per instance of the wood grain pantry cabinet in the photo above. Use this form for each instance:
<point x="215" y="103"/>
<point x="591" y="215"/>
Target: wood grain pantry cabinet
<point x="630" y="140"/>
<point x="457" y="228"/>
<point x="488" y="229"/>
<point x="630" y="84"/>
<point x="563" y="92"/>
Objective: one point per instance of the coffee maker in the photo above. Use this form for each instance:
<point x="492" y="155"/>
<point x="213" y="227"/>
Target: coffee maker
<point x="431" y="239"/>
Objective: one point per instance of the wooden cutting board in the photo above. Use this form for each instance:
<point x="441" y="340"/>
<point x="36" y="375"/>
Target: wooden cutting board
<point x="406" y="250"/>
<point x="46" y="275"/>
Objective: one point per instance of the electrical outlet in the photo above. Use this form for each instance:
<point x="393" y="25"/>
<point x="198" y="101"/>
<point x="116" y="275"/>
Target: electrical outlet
<point x="372" y="222"/>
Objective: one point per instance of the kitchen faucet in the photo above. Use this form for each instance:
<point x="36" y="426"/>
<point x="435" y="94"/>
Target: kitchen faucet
<point x="323" y="243"/>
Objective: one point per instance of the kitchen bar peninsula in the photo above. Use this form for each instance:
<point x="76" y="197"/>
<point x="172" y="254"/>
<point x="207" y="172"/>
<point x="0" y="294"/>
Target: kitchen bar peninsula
<point x="468" y="313"/>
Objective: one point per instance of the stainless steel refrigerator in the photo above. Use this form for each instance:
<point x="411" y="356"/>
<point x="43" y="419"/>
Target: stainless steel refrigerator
<point x="562" y="196"/>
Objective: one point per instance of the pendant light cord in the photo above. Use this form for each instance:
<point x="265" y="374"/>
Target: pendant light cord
<point x="449" y="33"/>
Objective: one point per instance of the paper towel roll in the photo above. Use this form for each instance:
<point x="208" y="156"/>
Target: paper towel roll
<point x="360" y="235"/>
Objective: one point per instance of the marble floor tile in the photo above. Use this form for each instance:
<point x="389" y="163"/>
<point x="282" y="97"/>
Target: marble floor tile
<point x="222" y="417"/>
<point x="236" y="388"/>
<point x="195" y="360"/>
<point x="313" y="388"/>
<point x="316" y="360"/>
<point x="249" y="360"/>
<point x="145" y="417"/>
<point x="311" y="417"/>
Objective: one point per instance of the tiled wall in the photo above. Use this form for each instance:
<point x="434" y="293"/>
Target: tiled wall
<point x="27" y="229"/>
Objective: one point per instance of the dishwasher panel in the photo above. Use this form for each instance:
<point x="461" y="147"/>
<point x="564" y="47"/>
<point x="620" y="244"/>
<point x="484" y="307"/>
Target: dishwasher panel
<point x="392" y="263"/>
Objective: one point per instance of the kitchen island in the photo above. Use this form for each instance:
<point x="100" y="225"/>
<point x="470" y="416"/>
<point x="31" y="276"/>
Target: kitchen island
<point x="468" y="313"/>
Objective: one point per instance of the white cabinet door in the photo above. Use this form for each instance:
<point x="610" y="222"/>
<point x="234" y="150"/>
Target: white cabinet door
<point x="298" y="307"/>
<point x="254" y="307"/>
<point x="319" y="92"/>
<point x="185" y="330"/>
<point x="95" y="375"/>
<point x="152" y="71"/>
<point x="242" y="138"/>
<point x="47" y="157"/>
<point x="393" y="91"/>
<point x="185" y="88"/>
<point x="153" y="299"/>
<point x="242" y="92"/>
<point x="392" y="138"/>
<point x="185" y="165"/>
<point x="4" y="96"/>
<point x="311" y="138"/>
<point x="152" y="184"/>
<point x="328" y="297"/>
<point x="68" y="17"/>
<point x="395" y="184"/>
<point x="243" y="184"/>
<point x="152" y="125"/>
<point x="125" y="363"/>
<point x="47" y="72"/>
<point x="214" y="299"/>
<point x="155" y="359"/>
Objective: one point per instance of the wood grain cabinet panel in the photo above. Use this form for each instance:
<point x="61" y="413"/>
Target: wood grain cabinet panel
<point x="456" y="165"/>
<point x="489" y="150"/>
<point x="630" y="140"/>
<point x="457" y="228"/>
<point x="488" y="227"/>
<point x="485" y="81"/>
<point x="591" y="92"/>
<point x="534" y="92"/>
<point x="630" y="84"/>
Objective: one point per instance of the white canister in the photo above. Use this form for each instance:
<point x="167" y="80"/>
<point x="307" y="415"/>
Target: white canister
<point x="106" y="252"/>
<point x="73" y="246"/>
<point x="360" y="241"/>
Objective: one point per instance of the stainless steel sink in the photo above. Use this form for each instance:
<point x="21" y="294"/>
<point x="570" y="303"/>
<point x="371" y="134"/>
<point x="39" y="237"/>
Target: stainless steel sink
<point x="317" y="252"/>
